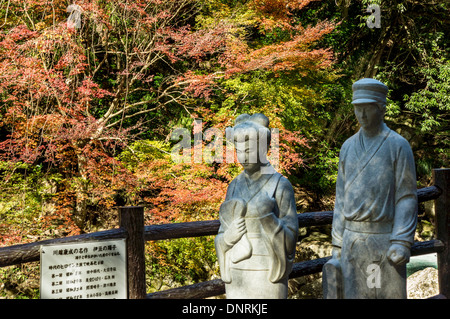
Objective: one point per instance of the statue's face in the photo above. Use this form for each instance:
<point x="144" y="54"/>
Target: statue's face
<point x="247" y="154"/>
<point x="251" y="145"/>
<point x="369" y="115"/>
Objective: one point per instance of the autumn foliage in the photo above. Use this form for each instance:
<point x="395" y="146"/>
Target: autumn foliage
<point x="74" y="98"/>
<point x="89" y="97"/>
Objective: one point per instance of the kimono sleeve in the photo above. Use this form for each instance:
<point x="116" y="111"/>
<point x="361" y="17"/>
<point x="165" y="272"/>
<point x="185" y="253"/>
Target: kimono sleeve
<point x="338" y="215"/>
<point x="405" y="218"/>
<point x="282" y="231"/>
<point x="221" y="246"/>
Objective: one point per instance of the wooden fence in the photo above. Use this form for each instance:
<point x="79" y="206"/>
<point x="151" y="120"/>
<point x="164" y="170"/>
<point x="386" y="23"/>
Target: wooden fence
<point x="131" y="227"/>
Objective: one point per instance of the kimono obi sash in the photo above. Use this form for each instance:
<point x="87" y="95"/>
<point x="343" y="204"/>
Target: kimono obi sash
<point x="260" y="258"/>
<point x="370" y="227"/>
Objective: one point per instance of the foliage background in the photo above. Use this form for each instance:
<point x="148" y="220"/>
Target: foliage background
<point x="86" y="113"/>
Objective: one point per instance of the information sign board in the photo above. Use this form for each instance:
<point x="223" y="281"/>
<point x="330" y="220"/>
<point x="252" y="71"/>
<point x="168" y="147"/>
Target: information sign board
<point x="89" y="270"/>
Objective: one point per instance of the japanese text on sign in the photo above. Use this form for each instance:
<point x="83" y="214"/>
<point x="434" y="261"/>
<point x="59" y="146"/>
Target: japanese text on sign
<point x="84" y="270"/>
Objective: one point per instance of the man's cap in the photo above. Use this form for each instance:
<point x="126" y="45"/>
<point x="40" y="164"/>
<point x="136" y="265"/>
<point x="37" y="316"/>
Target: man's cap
<point x="369" y="90"/>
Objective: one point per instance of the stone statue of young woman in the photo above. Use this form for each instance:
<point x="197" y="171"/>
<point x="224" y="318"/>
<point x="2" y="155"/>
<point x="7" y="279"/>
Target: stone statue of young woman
<point x="256" y="242"/>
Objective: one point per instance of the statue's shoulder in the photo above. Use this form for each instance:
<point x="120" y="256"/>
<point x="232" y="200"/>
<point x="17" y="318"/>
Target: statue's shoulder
<point x="399" y="147"/>
<point x="348" y="144"/>
<point x="396" y="138"/>
<point x="237" y="179"/>
<point x="350" y="141"/>
<point x="232" y="185"/>
<point x="283" y="183"/>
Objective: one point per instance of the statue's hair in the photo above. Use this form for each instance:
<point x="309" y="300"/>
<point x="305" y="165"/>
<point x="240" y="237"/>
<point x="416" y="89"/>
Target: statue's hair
<point x="257" y="118"/>
<point x="256" y="121"/>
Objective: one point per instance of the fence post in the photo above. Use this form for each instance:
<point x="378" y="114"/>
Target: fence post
<point x="131" y="218"/>
<point x="441" y="179"/>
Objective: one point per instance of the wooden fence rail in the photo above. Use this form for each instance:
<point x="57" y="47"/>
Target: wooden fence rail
<point x="131" y="222"/>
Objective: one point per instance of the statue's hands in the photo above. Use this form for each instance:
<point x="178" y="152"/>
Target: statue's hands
<point x="336" y="253"/>
<point x="398" y="254"/>
<point x="236" y="230"/>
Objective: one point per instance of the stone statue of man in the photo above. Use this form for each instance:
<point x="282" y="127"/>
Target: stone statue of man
<point x="258" y="231"/>
<point x="375" y="213"/>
